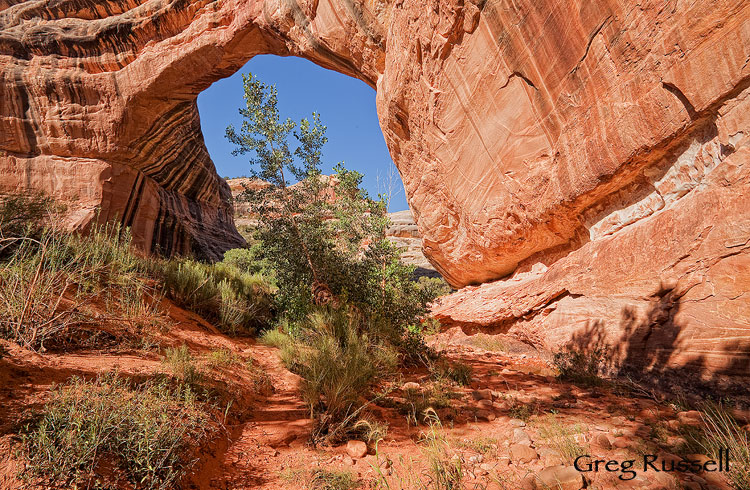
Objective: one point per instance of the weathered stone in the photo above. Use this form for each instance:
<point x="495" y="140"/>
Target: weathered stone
<point x="690" y="417"/>
<point x="485" y="394"/>
<point x="485" y="415"/>
<point x="522" y="453"/>
<point x="517" y="423"/>
<point x="559" y="478"/>
<point x="521" y="437"/>
<point x="602" y="440"/>
<point x="356" y="449"/>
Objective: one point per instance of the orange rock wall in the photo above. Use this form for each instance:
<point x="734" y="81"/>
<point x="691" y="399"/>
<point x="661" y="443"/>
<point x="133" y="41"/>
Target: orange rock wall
<point x="590" y="158"/>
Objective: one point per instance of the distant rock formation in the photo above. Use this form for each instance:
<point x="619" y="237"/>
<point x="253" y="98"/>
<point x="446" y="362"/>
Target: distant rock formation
<point x="593" y="158"/>
<point x="404" y="233"/>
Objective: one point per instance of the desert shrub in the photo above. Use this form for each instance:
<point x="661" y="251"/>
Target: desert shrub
<point x="238" y="302"/>
<point x="275" y="338"/>
<point x="182" y="364"/>
<point x="457" y="372"/>
<point x="583" y="367"/>
<point x="48" y="283"/>
<point x="338" y="364"/>
<point x="142" y="431"/>
<point x="22" y="216"/>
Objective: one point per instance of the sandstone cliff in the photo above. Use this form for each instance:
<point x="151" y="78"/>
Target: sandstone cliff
<point x="592" y="156"/>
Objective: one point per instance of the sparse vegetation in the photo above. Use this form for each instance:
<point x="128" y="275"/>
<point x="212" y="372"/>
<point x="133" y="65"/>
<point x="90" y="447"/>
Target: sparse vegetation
<point x="420" y="404"/>
<point x="563" y="438"/>
<point x="140" y="433"/>
<point x="222" y="358"/>
<point x="181" y="363"/>
<point x="237" y="301"/>
<point x="581" y="367"/>
<point x="333" y="480"/>
<point x="338" y="362"/>
<point x="488" y="343"/>
<point x="457" y="372"/>
<point x="446" y="472"/>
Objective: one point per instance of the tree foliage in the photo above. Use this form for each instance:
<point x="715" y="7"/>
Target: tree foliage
<point x="324" y="236"/>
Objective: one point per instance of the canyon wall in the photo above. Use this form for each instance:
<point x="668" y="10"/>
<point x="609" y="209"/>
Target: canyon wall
<point x="586" y="161"/>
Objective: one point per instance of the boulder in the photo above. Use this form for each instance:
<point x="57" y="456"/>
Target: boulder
<point x="522" y="453"/>
<point x="356" y="449"/>
<point x="559" y="478"/>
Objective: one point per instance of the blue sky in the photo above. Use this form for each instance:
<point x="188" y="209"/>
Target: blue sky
<point x="346" y="107"/>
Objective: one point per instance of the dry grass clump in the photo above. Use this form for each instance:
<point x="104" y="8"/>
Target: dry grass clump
<point x="338" y="362"/>
<point x="445" y="471"/>
<point x="105" y="432"/>
<point x="52" y="283"/>
<point x="324" y="479"/>
<point x="456" y="372"/>
<point x="562" y="438"/>
<point x="723" y="433"/>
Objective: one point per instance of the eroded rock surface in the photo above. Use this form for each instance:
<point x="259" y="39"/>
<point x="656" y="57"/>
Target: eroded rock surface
<point x="591" y="156"/>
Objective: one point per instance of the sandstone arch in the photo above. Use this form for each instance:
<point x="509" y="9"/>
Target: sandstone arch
<point x="593" y="149"/>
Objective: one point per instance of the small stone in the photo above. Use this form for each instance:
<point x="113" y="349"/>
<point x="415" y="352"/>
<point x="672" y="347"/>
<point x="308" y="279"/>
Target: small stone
<point x="485" y="394"/>
<point x="674" y="424"/>
<point x="521" y="437"/>
<point x="485" y="403"/>
<point x="550" y="457"/>
<point x="486" y="467"/>
<point x="517" y="423"/>
<point x="559" y="478"/>
<point x="348" y="460"/>
<point x="527" y="483"/>
<point x="621" y="443"/>
<point x="356" y="449"/>
<point x="690" y="417"/>
<point x="411" y="385"/>
<point x="485" y="415"/>
<point x="521" y="453"/>
<point x="603" y="441"/>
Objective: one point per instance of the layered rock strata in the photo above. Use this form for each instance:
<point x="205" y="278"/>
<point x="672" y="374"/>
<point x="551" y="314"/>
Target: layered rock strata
<point x="591" y="156"/>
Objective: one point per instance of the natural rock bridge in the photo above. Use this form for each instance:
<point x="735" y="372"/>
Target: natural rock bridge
<point x="592" y="155"/>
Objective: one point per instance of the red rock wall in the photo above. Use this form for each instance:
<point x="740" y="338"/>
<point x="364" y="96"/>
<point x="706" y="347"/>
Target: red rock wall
<point x="589" y="157"/>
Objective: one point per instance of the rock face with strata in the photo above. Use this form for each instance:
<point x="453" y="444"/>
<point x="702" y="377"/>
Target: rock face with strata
<point x="591" y="158"/>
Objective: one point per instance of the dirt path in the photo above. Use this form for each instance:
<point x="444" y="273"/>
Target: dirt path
<point x="515" y="420"/>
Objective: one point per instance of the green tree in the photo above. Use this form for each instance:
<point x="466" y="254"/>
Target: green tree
<point x="324" y="236"/>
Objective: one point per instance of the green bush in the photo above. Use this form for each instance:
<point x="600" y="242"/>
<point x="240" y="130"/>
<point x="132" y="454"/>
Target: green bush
<point x="144" y="431"/>
<point x="237" y="301"/>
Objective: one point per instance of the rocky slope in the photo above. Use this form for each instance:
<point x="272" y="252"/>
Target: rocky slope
<point x="592" y="156"/>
